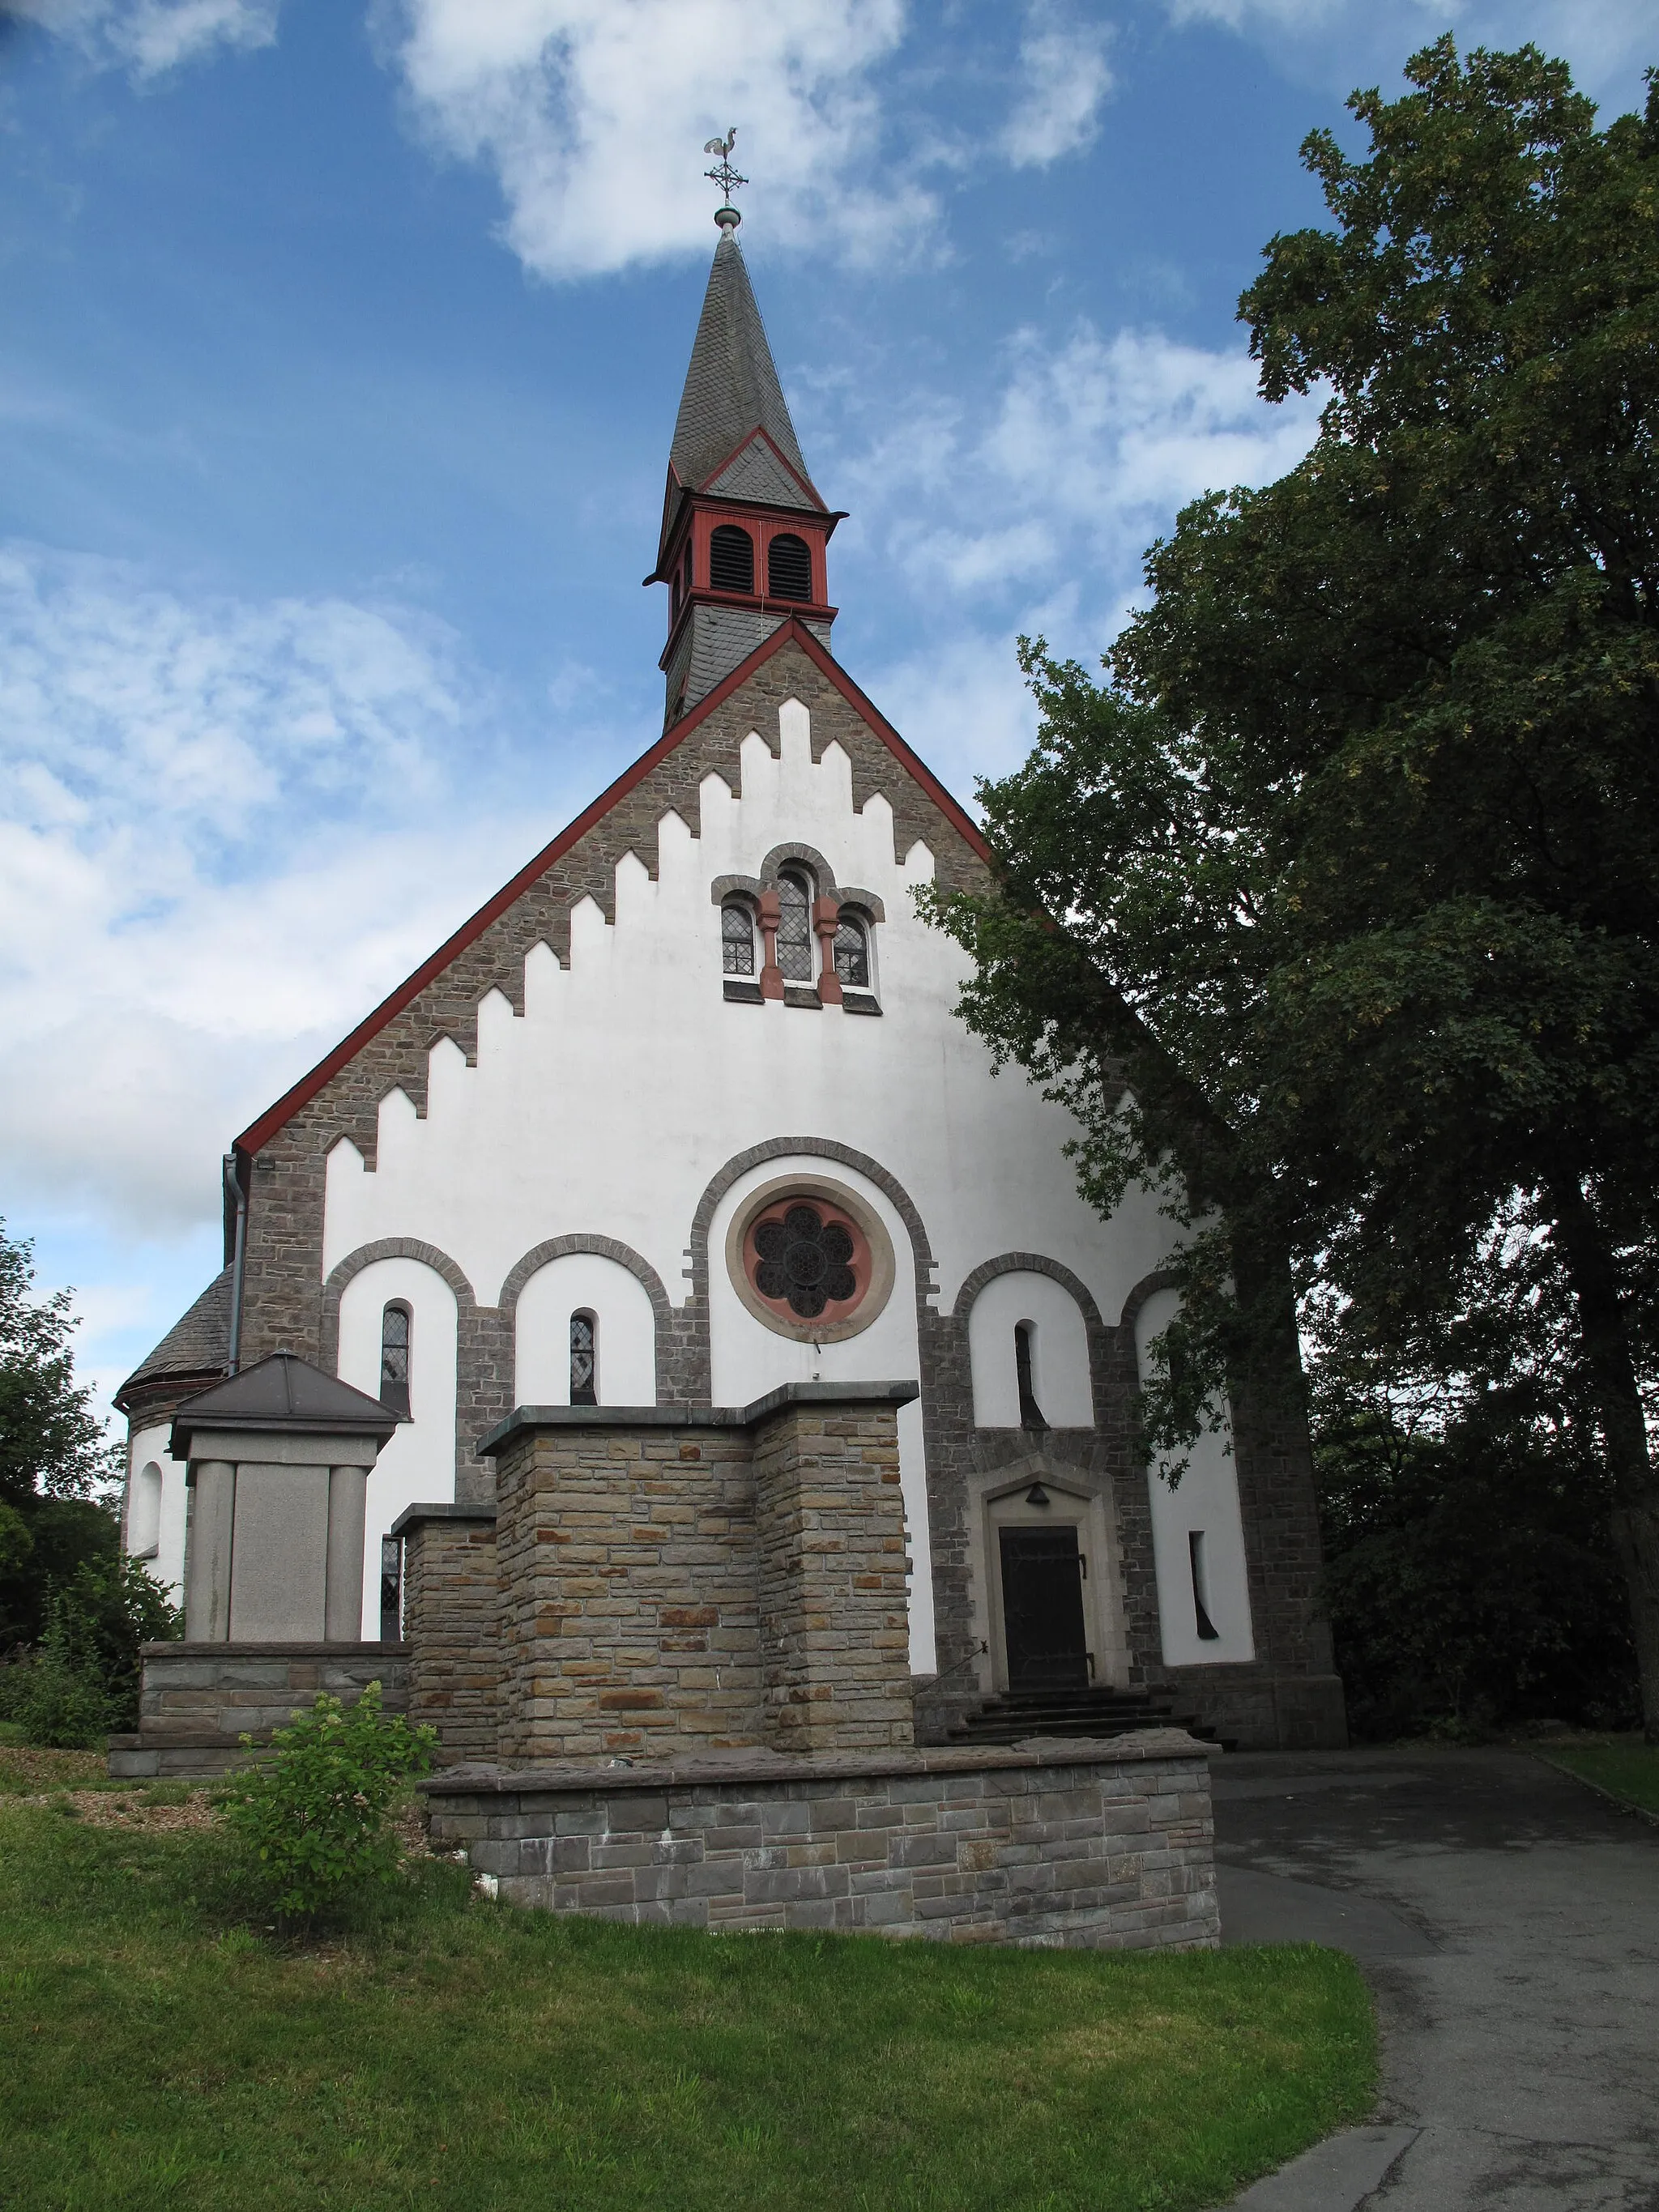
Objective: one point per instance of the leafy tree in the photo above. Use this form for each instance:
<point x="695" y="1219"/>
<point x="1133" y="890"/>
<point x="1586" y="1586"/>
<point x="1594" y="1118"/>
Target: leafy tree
<point x="51" y="1441"/>
<point x="1354" y="853"/>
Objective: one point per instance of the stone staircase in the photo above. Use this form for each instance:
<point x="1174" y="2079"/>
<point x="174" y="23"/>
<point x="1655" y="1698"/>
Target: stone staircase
<point x="1019" y="1714"/>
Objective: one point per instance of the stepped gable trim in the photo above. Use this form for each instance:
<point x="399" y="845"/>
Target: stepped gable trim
<point x="794" y="631"/>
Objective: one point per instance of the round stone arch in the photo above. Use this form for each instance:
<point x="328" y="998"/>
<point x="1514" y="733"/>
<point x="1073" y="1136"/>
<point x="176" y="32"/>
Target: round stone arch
<point x="1094" y="1328"/>
<point x="479" y="1348"/>
<point x="603" y="1247"/>
<point x="697" y="1354"/>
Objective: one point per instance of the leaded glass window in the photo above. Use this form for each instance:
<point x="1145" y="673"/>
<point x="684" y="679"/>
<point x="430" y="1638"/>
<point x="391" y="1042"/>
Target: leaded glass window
<point x="852" y="954"/>
<point x="805" y="1260"/>
<point x="394" y="1359"/>
<point x="795" y="929"/>
<point x="584" y="1360"/>
<point x="737" y="939"/>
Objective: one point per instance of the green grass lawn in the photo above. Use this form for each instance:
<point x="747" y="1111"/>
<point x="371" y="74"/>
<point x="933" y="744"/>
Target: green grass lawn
<point x="457" y="2054"/>
<point x="1629" y="1768"/>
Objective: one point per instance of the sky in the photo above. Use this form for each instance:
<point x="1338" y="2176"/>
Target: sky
<point x="339" y="356"/>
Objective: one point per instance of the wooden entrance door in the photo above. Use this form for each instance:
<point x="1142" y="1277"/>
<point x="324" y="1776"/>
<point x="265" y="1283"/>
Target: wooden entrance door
<point x="1042" y="1609"/>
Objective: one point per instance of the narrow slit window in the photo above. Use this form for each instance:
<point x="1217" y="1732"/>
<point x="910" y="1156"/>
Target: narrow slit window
<point x="685" y="570"/>
<point x="391" y="1589"/>
<point x="732" y="559"/>
<point x="852" y="953"/>
<point x="584" y="1359"/>
<point x="795" y="928"/>
<point x="1208" y="1633"/>
<point x="394" y="1359"/>
<point x="788" y="568"/>
<point x="1030" y="1413"/>
<point x="736" y="938"/>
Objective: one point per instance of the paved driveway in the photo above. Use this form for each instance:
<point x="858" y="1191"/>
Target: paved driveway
<point x="1508" y="1920"/>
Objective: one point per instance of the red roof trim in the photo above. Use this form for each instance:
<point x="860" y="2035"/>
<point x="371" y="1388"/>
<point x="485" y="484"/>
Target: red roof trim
<point x="259" y="1133"/>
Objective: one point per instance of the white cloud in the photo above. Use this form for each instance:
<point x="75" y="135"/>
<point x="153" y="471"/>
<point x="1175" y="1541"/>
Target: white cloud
<point x="1040" y="508"/>
<point x="1607" y="41"/>
<point x="590" y="112"/>
<point x="227" y="829"/>
<point x="152" y="36"/>
<point x="1063" y="77"/>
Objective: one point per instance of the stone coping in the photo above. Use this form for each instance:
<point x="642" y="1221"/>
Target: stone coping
<point x="412" y="1516"/>
<point x="277" y="1649"/>
<point x="682" y="1416"/>
<point x="618" y="1778"/>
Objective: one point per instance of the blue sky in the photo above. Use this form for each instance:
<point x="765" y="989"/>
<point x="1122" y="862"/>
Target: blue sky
<point x="341" y="351"/>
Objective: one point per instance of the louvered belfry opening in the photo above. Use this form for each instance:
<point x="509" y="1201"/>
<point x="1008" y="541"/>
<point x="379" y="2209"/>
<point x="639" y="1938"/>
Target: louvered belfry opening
<point x="732" y="559"/>
<point x="788" y="568"/>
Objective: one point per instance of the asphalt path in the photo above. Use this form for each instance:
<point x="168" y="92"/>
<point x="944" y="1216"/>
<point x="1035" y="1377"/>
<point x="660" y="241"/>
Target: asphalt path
<point x="1507" y="1919"/>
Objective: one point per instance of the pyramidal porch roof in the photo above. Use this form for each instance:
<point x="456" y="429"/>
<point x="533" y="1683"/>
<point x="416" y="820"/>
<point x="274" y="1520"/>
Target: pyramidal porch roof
<point x="285" y="1392"/>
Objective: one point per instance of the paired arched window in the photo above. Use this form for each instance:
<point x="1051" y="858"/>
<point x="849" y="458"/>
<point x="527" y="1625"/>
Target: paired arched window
<point x="732" y="559"/>
<point x="738" y="938"/>
<point x="788" y="568"/>
<point x="394" y="1359"/>
<point x="584" y="1359"/>
<point x="852" y="952"/>
<point x="795" y="890"/>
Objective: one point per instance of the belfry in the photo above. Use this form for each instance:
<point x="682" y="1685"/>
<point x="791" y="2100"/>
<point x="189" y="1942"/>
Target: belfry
<point x="652" y="1344"/>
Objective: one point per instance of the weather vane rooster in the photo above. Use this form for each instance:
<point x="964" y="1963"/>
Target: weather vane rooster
<point x="725" y="176"/>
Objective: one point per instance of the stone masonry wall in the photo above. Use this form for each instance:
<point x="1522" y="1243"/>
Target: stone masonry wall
<point x="1108" y="1846"/>
<point x="198" y="1699"/>
<point x="452" y="1609"/>
<point x="629" y="1601"/>
<point x="835" y="1632"/>
<point x="636" y="1576"/>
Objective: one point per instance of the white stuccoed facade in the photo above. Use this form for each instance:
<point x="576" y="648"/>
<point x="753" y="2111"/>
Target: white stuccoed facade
<point x="608" y="1108"/>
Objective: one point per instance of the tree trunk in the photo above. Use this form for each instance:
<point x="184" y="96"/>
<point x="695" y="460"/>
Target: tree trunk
<point x="1605" y="1335"/>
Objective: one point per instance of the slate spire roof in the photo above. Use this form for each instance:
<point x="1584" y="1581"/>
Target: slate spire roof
<point x="731" y="388"/>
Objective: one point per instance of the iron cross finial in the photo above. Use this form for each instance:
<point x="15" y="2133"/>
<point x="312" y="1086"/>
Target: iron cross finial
<point x="725" y="176"/>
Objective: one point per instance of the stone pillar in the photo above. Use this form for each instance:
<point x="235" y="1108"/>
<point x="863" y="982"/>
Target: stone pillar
<point x="451" y="1607"/>
<point x="771" y="975"/>
<point x="826" y="921"/>
<point x="833" y="1617"/>
<point x="207" y="1591"/>
<point x="343" y="1603"/>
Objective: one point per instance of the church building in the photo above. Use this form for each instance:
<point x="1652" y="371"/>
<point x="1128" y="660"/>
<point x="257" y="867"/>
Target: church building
<point x="684" y="1118"/>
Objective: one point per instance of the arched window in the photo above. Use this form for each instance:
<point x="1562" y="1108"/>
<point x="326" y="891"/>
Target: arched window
<point x="685" y="569"/>
<point x="788" y="568"/>
<point x="144" y="1512"/>
<point x="394" y="1359"/>
<point x="732" y="559"/>
<point x="584" y="1359"/>
<point x="795" y="926"/>
<point x="852" y="953"/>
<point x="1030" y="1413"/>
<point x="674" y="613"/>
<point x="736" y="938"/>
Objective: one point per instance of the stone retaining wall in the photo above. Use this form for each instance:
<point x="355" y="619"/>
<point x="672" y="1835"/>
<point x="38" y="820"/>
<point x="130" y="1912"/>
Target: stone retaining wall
<point x="1101" y="1845"/>
<point x="198" y="1699"/>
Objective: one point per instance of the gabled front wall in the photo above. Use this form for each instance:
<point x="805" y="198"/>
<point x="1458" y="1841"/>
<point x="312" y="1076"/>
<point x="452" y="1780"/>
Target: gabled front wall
<point x="567" y="1116"/>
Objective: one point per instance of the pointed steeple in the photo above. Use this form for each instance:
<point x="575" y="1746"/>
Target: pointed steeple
<point x="732" y="386"/>
<point x="743" y="528"/>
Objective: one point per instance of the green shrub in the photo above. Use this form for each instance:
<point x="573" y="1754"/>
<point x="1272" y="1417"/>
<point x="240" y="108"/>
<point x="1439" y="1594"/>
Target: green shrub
<point x="312" y="1824"/>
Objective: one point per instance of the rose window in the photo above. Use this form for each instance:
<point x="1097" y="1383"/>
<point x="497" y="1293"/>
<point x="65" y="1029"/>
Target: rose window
<point x="805" y="1260"/>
